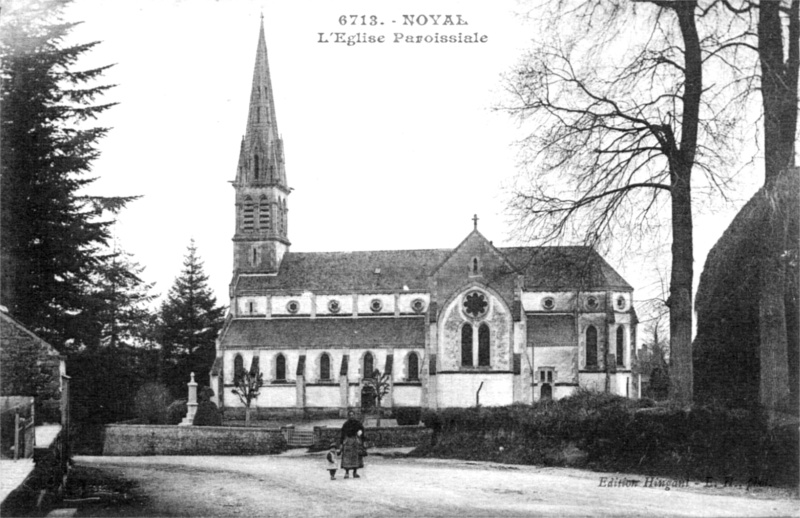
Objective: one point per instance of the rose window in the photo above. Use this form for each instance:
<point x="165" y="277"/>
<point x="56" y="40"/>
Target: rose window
<point x="293" y="306"/>
<point x="376" y="305"/>
<point x="334" y="306"/>
<point x="418" y="305"/>
<point x="475" y="304"/>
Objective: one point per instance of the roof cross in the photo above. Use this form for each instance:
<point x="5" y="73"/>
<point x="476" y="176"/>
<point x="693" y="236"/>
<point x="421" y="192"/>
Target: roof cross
<point x="475" y="221"/>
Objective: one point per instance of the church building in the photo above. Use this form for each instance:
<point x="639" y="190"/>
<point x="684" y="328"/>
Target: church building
<point x="451" y="327"/>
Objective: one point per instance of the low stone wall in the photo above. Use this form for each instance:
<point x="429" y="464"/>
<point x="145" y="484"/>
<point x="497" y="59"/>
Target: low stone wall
<point x="133" y="440"/>
<point x="389" y="437"/>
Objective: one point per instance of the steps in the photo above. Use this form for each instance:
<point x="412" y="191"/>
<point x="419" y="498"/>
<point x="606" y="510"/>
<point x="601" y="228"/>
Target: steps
<point x="299" y="438"/>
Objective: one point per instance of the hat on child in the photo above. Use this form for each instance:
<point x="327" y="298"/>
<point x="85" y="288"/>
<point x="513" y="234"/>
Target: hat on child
<point x="333" y="444"/>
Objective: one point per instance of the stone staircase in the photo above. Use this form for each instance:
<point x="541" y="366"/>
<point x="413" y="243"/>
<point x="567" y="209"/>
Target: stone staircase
<point x="300" y="438"/>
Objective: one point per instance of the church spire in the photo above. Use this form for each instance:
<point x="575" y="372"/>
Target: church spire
<point x="261" y="237"/>
<point x="261" y="159"/>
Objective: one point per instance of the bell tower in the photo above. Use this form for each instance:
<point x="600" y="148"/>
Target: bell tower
<point x="260" y="239"/>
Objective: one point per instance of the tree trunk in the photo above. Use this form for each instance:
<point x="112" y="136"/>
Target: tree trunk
<point x="680" y="297"/>
<point x="681" y="162"/>
<point x="247" y="415"/>
<point x="773" y="342"/>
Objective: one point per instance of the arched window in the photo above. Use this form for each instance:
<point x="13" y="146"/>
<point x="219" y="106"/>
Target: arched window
<point x="263" y="214"/>
<point x="591" y="346"/>
<point x="475" y="266"/>
<point x="620" y="346"/>
<point x="254" y="261"/>
<point x="466" y="345"/>
<point x="484" y="355"/>
<point x="325" y="367"/>
<point x="413" y="366"/>
<point x="238" y="368"/>
<point x="247" y="215"/>
<point x="369" y="365"/>
<point x="280" y="368"/>
<point x="271" y="170"/>
<point x="255" y="167"/>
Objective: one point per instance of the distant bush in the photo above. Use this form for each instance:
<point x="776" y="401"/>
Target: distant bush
<point x="207" y="414"/>
<point x="151" y="403"/>
<point x="176" y="411"/>
<point x="606" y="432"/>
<point x="407" y="416"/>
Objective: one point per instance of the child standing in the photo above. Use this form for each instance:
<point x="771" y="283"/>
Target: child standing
<point x="332" y="460"/>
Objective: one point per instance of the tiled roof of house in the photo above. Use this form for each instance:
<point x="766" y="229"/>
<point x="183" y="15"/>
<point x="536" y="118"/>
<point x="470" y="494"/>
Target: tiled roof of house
<point x="543" y="267"/>
<point x="348" y="271"/>
<point x="294" y="333"/>
<point x="564" y="267"/>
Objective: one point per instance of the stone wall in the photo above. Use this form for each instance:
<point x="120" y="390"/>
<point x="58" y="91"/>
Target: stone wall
<point x="390" y="437"/>
<point x="133" y="440"/>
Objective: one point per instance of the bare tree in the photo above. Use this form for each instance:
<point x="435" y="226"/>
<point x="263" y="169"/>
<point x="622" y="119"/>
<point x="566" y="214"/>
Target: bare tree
<point x="247" y="385"/>
<point x="380" y="383"/>
<point x="621" y="121"/>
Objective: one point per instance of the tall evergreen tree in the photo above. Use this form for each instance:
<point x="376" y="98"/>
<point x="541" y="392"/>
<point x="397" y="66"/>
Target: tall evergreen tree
<point x="52" y="235"/>
<point x="189" y="322"/>
<point x="120" y="303"/>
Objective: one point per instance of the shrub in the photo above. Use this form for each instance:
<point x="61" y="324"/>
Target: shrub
<point x="176" y="411"/>
<point x="151" y="403"/>
<point x="207" y="414"/>
<point x="407" y="416"/>
<point x="610" y="433"/>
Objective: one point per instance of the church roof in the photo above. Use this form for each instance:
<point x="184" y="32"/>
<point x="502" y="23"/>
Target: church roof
<point x="564" y="267"/>
<point x="294" y="333"/>
<point x="544" y="268"/>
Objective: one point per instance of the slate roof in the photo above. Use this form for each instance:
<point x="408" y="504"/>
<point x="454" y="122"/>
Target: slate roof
<point x="294" y="333"/>
<point x="564" y="267"/>
<point x="544" y="268"/>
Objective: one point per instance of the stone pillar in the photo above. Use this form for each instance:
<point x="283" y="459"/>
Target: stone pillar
<point x="344" y="386"/>
<point x="191" y="403"/>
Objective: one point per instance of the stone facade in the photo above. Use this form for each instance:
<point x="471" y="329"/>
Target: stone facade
<point x="452" y="327"/>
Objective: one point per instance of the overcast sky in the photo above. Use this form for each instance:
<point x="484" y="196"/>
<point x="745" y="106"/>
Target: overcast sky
<point x="388" y="146"/>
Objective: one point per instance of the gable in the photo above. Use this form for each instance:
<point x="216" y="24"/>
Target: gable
<point x="475" y="260"/>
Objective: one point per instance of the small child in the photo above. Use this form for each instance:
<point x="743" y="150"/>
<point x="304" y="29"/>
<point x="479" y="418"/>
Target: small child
<point x="331" y="458"/>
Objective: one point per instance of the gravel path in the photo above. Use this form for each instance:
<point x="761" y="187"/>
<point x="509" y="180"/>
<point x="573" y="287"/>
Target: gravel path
<point x="300" y="486"/>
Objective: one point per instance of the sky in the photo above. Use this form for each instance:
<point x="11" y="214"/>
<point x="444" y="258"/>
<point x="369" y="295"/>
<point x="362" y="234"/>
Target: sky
<point x="388" y="145"/>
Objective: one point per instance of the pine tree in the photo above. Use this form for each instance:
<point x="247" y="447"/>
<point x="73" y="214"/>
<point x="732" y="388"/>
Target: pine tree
<point x="189" y="322"/>
<point x="52" y="235"/>
<point x="120" y="303"/>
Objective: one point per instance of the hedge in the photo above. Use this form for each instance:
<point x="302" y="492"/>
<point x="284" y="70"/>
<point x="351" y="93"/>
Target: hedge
<point x="610" y="433"/>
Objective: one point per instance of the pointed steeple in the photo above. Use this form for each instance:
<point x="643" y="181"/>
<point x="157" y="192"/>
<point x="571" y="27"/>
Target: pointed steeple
<point x="261" y="158"/>
<point x="261" y="237"/>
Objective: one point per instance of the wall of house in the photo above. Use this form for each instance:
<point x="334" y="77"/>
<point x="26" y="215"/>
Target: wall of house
<point x="407" y="395"/>
<point x="323" y="396"/>
<point x="458" y="390"/>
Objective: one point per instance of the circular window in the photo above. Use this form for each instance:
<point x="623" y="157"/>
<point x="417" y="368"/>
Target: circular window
<point x="376" y="305"/>
<point x="621" y="302"/>
<point x="418" y="305"/>
<point x="548" y="303"/>
<point x="292" y="306"/>
<point x="334" y="306"/>
<point x="475" y="304"/>
<point x="592" y="302"/>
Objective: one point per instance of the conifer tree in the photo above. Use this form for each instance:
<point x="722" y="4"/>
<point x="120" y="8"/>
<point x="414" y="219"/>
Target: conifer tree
<point x="51" y="234"/>
<point x="189" y="322"/>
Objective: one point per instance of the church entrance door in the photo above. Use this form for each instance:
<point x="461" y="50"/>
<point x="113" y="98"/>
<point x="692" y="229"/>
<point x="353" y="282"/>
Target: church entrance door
<point x="547" y="392"/>
<point x="367" y="398"/>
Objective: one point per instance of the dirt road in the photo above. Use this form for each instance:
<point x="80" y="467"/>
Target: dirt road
<point x="300" y="486"/>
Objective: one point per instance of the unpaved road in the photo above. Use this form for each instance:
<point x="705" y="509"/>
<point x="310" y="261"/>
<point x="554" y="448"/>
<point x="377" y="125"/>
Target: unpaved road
<point x="300" y="486"/>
